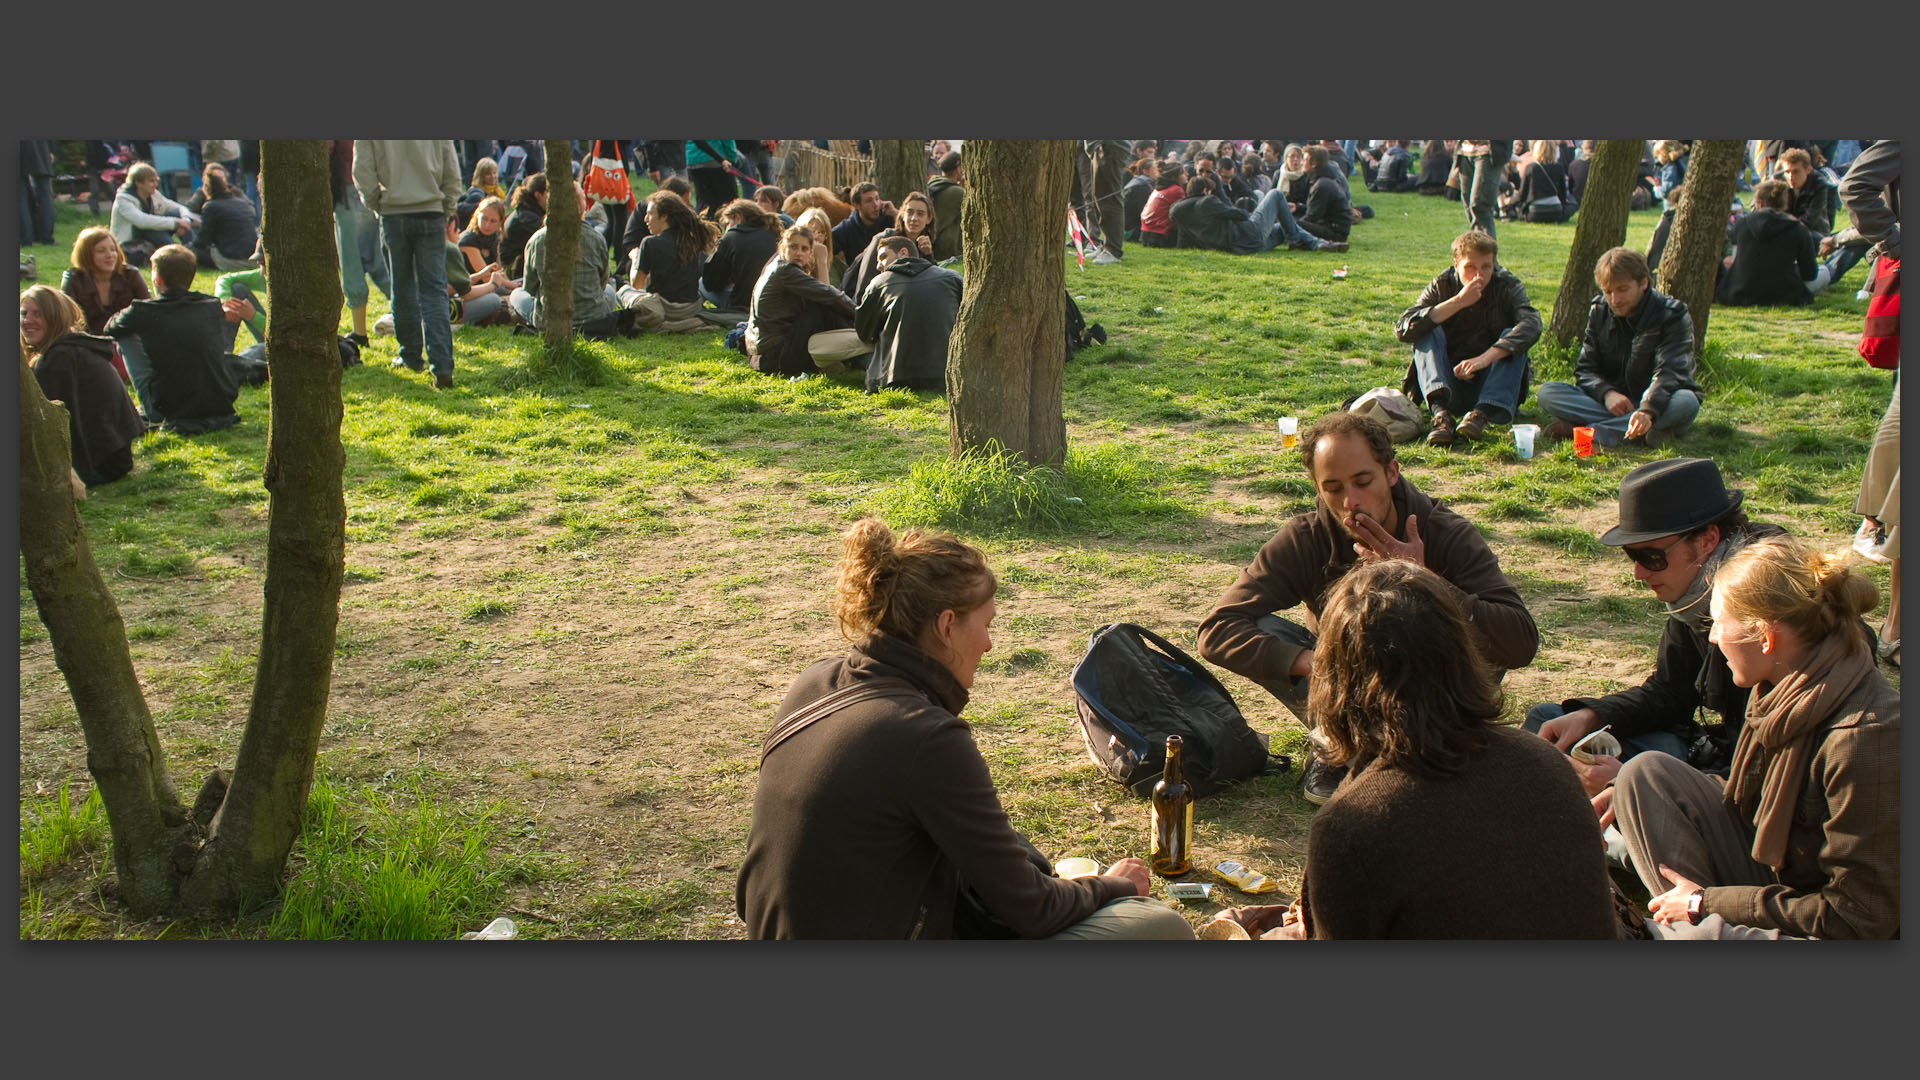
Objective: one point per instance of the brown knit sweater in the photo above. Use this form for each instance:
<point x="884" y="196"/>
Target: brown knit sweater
<point x="1508" y="848"/>
<point x="865" y="822"/>
<point x="1311" y="552"/>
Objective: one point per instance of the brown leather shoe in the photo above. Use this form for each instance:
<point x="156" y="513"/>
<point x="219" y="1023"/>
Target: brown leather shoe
<point x="1473" y="425"/>
<point x="1442" y="433"/>
<point x="1559" y="429"/>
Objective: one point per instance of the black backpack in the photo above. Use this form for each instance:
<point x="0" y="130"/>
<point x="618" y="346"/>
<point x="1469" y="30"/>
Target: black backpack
<point x="1134" y="688"/>
<point x="1079" y="334"/>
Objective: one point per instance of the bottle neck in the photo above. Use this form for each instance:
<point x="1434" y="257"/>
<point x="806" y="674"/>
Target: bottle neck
<point x="1175" y="771"/>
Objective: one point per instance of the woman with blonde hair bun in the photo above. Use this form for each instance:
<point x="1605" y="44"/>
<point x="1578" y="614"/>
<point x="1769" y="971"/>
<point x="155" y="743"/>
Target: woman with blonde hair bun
<point x="1803" y="839"/>
<point x="875" y="815"/>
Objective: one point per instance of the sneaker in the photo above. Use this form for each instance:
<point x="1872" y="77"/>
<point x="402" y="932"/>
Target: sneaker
<point x="415" y="368"/>
<point x="1321" y="779"/>
<point x="1332" y="245"/>
<point x="383" y="326"/>
<point x="1871" y="541"/>
<point x="1105" y="258"/>
<point x="443" y="381"/>
<point x="1890" y="652"/>
<point x="1559" y="429"/>
<point x="1442" y="433"/>
<point x="1472" y="425"/>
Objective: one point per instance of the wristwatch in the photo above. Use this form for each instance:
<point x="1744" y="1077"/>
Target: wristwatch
<point x="1693" y="906"/>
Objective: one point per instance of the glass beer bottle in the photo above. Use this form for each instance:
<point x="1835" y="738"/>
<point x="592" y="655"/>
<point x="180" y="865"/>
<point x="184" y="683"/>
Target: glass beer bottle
<point x="1172" y="817"/>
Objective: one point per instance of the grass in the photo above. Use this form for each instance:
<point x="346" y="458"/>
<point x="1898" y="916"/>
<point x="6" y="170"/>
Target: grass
<point x="575" y="595"/>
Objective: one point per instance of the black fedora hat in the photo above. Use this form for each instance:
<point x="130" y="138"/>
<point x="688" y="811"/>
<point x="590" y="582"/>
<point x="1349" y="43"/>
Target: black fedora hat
<point x="1666" y="498"/>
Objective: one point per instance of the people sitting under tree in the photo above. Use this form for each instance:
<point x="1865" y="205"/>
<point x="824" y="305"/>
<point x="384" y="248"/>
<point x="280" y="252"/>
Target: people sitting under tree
<point x="594" y="301"/>
<point x="529" y="217"/>
<point x="1634" y="375"/>
<point x="907" y="315"/>
<point x="1205" y="220"/>
<point x="1471" y="330"/>
<point x="891" y="792"/>
<point x="1425" y="829"/>
<point x="77" y="370"/>
<point x="797" y="324"/>
<point x="751" y="241"/>
<point x="144" y="220"/>
<point x="664" y="293"/>
<point x="1802" y="837"/>
<point x="1364" y="511"/>
<point x="1774" y="260"/>
<point x="188" y="385"/>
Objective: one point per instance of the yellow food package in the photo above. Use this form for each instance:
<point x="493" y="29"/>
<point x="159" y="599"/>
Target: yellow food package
<point x="1247" y="881"/>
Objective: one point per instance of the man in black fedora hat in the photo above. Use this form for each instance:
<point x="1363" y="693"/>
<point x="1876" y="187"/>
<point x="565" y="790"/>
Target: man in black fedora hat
<point x="1678" y="522"/>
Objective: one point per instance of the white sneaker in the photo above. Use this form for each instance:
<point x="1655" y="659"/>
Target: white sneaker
<point x="383" y="326"/>
<point x="1105" y="257"/>
<point x="1871" y="542"/>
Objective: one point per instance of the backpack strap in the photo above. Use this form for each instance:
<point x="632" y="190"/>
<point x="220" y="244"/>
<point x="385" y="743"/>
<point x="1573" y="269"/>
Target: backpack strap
<point x="865" y="690"/>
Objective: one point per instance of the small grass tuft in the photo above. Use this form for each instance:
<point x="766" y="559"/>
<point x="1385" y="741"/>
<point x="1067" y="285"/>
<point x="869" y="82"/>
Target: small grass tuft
<point x="52" y="830"/>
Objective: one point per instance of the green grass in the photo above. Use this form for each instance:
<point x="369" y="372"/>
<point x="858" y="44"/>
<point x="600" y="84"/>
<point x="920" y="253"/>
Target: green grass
<point x="645" y="533"/>
<point x="54" y="830"/>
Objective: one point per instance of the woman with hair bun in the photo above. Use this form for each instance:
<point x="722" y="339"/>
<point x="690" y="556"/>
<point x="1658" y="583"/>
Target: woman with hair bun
<point x="1803" y="839"/>
<point x="875" y="812"/>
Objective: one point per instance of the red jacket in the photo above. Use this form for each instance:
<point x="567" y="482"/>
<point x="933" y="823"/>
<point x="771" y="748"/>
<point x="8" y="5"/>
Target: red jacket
<point x="1154" y="218"/>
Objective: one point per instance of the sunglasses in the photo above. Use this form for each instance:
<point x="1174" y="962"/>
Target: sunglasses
<point x="1654" y="559"/>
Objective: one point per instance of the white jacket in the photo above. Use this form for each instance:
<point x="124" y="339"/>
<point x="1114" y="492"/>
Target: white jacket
<point x="128" y="216"/>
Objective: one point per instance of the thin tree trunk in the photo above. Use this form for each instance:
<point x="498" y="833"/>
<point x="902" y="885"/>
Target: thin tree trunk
<point x="260" y="817"/>
<point x="1009" y="347"/>
<point x="559" y="250"/>
<point x="1601" y="224"/>
<point x="1691" y="263"/>
<point x="899" y="166"/>
<point x="89" y="641"/>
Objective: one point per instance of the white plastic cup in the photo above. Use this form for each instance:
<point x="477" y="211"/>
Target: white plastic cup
<point x="1289" y="432"/>
<point x="1523" y="436"/>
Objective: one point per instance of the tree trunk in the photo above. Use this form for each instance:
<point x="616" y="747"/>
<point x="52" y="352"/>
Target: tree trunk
<point x="260" y="817"/>
<point x="1009" y="347"/>
<point x="559" y="250"/>
<point x="900" y="166"/>
<point x="1600" y="225"/>
<point x="1691" y="263"/>
<point x="90" y="646"/>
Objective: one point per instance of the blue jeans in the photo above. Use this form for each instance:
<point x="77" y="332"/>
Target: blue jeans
<point x="36" y="210"/>
<point x="1274" y="220"/>
<point x="1480" y="183"/>
<point x="1843" y="258"/>
<point x="417" y="260"/>
<point x="140" y="369"/>
<point x="1565" y="401"/>
<point x="721" y="299"/>
<point x="356" y="237"/>
<point x="1665" y="742"/>
<point x="1495" y="391"/>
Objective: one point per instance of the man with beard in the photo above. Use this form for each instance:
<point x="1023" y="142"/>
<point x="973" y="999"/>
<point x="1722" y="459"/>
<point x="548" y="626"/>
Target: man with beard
<point x="1364" y="511"/>
<point x="869" y="219"/>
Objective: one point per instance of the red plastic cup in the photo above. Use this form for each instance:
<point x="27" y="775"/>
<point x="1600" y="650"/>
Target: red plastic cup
<point x="1583" y="442"/>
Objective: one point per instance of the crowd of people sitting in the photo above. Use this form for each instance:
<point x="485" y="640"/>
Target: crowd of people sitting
<point x="1777" y="819"/>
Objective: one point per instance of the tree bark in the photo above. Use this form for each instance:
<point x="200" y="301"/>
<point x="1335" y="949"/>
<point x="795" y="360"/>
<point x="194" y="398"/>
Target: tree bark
<point x="1009" y="346"/>
<point x="1691" y="263"/>
<point x="1600" y="225"/>
<point x="89" y="639"/>
<point x="900" y="166"/>
<point x="260" y="818"/>
<point x="559" y="250"/>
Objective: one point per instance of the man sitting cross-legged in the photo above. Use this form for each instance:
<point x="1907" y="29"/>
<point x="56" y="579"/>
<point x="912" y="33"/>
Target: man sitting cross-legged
<point x="1635" y="371"/>
<point x="1470" y="331"/>
<point x="1364" y="511"/>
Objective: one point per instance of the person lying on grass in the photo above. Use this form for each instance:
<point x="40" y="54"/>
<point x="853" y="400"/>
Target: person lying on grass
<point x="1424" y="832"/>
<point x="1364" y="512"/>
<point x="1205" y="220"/>
<point x="881" y="819"/>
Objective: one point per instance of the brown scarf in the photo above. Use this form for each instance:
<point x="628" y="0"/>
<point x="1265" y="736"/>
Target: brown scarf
<point x="1770" y="759"/>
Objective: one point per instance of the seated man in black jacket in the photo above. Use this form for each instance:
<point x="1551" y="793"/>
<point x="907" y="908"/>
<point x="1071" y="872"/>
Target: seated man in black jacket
<point x="1678" y="523"/>
<point x="1205" y="220"/>
<point x="1773" y="260"/>
<point x="193" y="385"/>
<point x="1635" y="372"/>
<point x="1470" y="331"/>
<point x="907" y="315"/>
<point x="1329" y="212"/>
